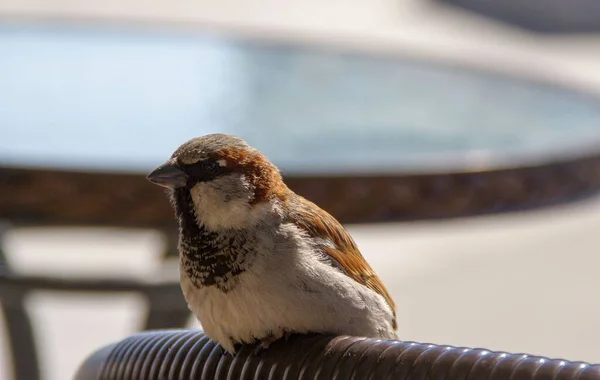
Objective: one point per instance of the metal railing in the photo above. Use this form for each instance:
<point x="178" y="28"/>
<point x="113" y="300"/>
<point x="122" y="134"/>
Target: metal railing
<point x="167" y="309"/>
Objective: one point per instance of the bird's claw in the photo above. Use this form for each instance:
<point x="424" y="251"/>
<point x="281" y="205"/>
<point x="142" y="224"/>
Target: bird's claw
<point x="259" y="349"/>
<point x="265" y="343"/>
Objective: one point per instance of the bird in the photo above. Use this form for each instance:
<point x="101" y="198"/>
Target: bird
<point x="258" y="262"/>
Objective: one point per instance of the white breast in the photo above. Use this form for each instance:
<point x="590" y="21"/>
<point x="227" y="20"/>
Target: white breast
<point x="288" y="289"/>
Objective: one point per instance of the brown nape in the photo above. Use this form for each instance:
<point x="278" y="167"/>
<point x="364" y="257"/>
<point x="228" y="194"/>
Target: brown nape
<point x="259" y="171"/>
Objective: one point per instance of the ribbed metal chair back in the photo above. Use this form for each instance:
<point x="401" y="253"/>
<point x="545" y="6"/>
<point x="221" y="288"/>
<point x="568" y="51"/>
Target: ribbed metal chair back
<point x="189" y="354"/>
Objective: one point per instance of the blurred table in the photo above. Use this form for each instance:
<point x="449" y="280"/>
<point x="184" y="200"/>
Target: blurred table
<point x="368" y="138"/>
<point x="118" y="99"/>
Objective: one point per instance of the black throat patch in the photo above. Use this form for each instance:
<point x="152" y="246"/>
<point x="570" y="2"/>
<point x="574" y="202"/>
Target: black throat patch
<point x="209" y="258"/>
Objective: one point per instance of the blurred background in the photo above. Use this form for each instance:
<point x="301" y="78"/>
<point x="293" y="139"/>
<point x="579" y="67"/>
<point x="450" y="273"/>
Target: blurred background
<point x="458" y="140"/>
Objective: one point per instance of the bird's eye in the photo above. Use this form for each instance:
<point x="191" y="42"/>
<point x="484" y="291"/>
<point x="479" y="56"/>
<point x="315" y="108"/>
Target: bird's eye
<point x="209" y="166"/>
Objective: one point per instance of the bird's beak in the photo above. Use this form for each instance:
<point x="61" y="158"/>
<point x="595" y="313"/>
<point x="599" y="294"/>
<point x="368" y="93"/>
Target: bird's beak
<point x="168" y="175"/>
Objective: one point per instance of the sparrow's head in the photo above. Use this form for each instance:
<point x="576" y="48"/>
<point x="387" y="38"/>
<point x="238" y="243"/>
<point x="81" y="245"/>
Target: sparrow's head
<point x="223" y="180"/>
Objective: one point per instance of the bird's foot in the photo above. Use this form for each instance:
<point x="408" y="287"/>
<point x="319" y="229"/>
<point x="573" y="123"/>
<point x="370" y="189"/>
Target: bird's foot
<point x="231" y="349"/>
<point x="266" y="342"/>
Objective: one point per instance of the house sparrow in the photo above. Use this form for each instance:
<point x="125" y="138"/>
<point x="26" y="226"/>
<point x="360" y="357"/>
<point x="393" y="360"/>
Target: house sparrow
<point x="259" y="262"/>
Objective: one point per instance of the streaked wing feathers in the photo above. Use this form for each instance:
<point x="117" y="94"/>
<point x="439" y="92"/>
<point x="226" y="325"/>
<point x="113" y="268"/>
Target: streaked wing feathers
<point x="342" y="248"/>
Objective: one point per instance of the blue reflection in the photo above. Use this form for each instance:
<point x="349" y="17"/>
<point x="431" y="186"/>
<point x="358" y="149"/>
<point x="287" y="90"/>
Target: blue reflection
<point x="124" y="100"/>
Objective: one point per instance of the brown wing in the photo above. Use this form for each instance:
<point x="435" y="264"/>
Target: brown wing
<point x="343" y="250"/>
